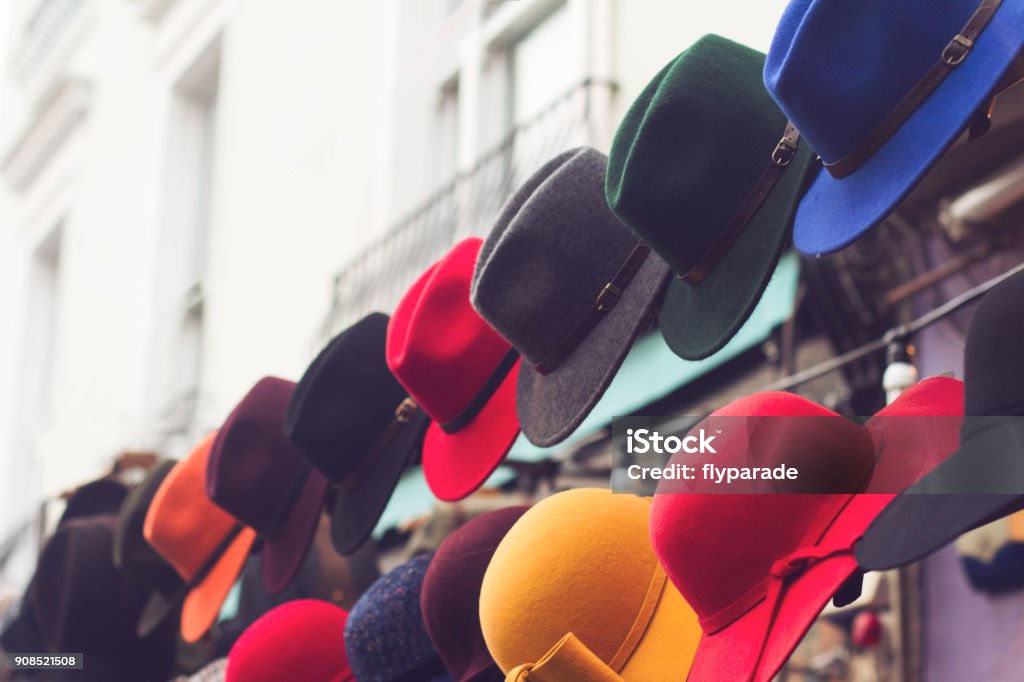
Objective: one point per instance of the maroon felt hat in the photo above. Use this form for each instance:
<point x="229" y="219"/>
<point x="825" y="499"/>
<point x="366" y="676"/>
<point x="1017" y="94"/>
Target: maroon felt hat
<point x="256" y="475"/>
<point x="450" y="599"/>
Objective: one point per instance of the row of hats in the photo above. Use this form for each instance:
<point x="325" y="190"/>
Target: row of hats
<point x="592" y="585"/>
<point x="526" y="329"/>
<point x="587" y="584"/>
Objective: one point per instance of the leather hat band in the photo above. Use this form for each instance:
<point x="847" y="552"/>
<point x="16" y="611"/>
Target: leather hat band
<point x="955" y="52"/>
<point x="405" y="411"/>
<point x="493" y="383"/>
<point x="781" y="157"/>
<point x="295" y="489"/>
<point x="605" y="301"/>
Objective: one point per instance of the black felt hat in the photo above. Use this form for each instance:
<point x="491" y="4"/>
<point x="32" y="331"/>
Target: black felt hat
<point x="356" y="424"/>
<point x="705" y="169"/>
<point x="984" y="479"/>
<point x="569" y="287"/>
<point x="137" y="559"/>
<point x="83" y="603"/>
<point x="102" y="496"/>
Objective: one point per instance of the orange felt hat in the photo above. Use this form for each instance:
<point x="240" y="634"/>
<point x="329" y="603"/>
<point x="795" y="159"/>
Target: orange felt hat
<point x="575" y="586"/>
<point x="205" y="545"/>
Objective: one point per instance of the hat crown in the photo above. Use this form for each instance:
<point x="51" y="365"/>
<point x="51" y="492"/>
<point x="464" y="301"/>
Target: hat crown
<point x="253" y="469"/>
<point x="182" y="524"/>
<point x="132" y="554"/>
<point x="993" y="367"/>
<point x="385" y="636"/>
<point x="76" y="590"/>
<point x="838" y="68"/>
<point x="718" y="548"/>
<point x="551" y="575"/>
<point x="451" y="592"/>
<point x="552" y="250"/>
<point x="299" y="639"/>
<point x="438" y="346"/>
<point x="691" y="148"/>
<point x="346" y="398"/>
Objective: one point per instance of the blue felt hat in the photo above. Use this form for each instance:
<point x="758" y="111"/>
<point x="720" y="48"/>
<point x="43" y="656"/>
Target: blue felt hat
<point x="385" y="637"/>
<point x="880" y="89"/>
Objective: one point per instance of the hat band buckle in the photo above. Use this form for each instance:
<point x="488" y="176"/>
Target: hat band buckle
<point x="952" y="55"/>
<point x="606" y="299"/>
<point x="781" y="157"/>
<point x="405" y="411"/>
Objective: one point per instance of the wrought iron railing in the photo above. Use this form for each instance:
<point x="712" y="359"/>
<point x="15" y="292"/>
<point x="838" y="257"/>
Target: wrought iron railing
<point x="466" y="205"/>
<point x="44" y="27"/>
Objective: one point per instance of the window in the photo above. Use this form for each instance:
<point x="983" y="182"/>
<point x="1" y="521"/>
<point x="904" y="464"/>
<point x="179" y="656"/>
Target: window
<point x="183" y="241"/>
<point x="40" y="332"/>
<point x="447" y="127"/>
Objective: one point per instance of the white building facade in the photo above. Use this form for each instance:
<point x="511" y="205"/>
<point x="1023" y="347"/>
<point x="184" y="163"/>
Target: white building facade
<point x="196" y="193"/>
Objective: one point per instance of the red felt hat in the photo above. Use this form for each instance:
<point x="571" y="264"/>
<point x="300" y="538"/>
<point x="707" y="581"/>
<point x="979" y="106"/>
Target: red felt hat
<point x="298" y="640"/>
<point x="459" y="370"/>
<point x="758" y="569"/>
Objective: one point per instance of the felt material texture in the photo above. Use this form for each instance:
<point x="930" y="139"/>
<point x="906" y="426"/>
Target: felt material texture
<point x="102" y="496"/>
<point x="134" y="556"/>
<point x="21" y="634"/>
<point x="552" y="250"/>
<point x="444" y="354"/>
<point x="569" y="659"/>
<point x="345" y="402"/>
<point x="256" y="475"/>
<point x="685" y="157"/>
<point x="450" y="600"/>
<point x="551" y="575"/>
<point x="186" y="528"/>
<point x="83" y="603"/>
<point x="299" y="640"/>
<point x="916" y="524"/>
<point x="758" y="569"/>
<point x="837" y="68"/>
<point x="385" y="636"/>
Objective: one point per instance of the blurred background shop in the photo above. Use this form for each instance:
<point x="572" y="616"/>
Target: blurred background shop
<point x="197" y="193"/>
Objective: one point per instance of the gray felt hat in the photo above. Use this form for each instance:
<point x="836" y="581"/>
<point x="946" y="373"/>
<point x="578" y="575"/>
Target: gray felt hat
<point x="570" y="287"/>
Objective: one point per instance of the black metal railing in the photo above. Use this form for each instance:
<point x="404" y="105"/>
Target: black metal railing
<point x="466" y="205"/>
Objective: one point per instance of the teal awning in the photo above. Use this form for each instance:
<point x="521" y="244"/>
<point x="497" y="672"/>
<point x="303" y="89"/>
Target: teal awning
<point x="651" y="372"/>
<point x="412" y="498"/>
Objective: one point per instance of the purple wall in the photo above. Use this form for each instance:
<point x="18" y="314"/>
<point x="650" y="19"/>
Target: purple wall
<point x="967" y="635"/>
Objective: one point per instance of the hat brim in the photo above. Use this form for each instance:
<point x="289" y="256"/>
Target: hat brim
<point x="284" y="553"/>
<point x="926" y="517"/>
<point x="356" y="512"/>
<point x="836" y="212"/>
<point x="456" y="464"/>
<point x="732" y="652"/>
<point x="697" y="321"/>
<point x="551" y="406"/>
<point x="156" y="610"/>
<point x="204" y="601"/>
<point x="667" y="647"/>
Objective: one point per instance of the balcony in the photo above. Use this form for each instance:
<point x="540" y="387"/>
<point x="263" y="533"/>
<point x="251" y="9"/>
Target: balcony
<point x="466" y="205"/>
<point x="46" y="23"/>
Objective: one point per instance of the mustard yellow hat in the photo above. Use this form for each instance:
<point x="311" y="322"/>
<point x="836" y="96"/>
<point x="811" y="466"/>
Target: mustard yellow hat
<point x="574" y="589"/>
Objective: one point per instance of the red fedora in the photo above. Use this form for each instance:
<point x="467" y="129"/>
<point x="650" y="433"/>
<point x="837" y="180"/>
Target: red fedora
<point x="460" y="371"/>
<point x="758" y="569"/>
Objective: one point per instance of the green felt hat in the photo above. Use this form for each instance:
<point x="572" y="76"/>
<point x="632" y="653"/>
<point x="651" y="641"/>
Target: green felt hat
<point x="705" y="170"/>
